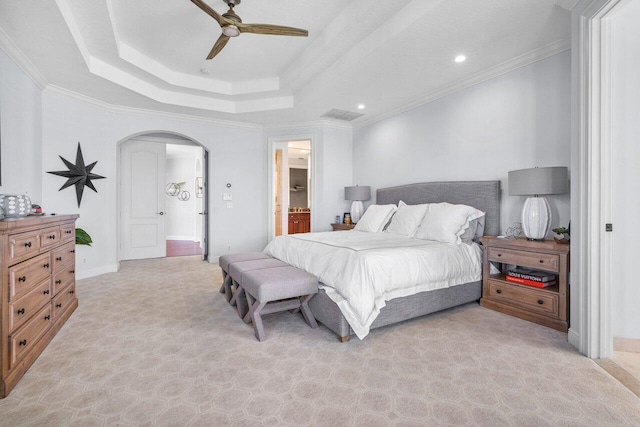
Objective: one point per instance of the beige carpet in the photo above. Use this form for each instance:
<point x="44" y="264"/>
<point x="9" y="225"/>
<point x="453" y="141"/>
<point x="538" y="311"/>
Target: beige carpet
<point x="156" y="345"/>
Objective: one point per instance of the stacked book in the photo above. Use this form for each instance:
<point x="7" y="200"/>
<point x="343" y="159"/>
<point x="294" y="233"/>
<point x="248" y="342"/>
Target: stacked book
<point x="535" y="278"/>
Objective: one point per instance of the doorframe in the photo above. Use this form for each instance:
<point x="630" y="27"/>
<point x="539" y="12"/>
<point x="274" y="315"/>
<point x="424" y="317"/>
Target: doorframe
<point x="592" y="176"/>
<point x="160" y="140"/>
<point x="273" y="143"/>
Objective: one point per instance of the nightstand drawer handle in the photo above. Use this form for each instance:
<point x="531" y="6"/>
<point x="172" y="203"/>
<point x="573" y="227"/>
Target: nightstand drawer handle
<point x="499" y="255"/>
<point x="59" y="258"/>
<point x="540" y="302"/>
<point x="58" y="282"/>
<point x="72" y="291"/>
<point x="47" y="317"/>
<point x="27" y="245"/>
<point x="58" y="305"/>
<point x="45" y="265"/>
<point x="46" y="292"/>
<point x="22" y="279"/>
<point x="52" y="236"/>
<point x="498" y="291"/>
<point x="541" y="261"/>
<point x="22" y="343"/>
<point x="21" y="311"/>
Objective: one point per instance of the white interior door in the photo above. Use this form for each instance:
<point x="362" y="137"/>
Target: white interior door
<point x="143" y="200"/>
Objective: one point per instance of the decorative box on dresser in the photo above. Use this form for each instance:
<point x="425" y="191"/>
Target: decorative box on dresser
<point x="38" y="289"/>
<point x="547" y="306"/>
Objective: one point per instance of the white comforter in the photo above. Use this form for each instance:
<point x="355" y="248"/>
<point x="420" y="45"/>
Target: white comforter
<point x="361" y="271"/>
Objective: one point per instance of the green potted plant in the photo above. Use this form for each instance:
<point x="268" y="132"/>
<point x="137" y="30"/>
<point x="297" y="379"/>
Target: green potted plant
<point x="562" y="235"/>
<point x="82" y="237"/>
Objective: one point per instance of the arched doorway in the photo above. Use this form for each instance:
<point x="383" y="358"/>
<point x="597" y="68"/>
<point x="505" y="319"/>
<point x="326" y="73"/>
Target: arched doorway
<point x="162" y="196"/>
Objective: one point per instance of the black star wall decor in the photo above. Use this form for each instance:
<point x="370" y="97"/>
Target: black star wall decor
<point x="78" y="175"/>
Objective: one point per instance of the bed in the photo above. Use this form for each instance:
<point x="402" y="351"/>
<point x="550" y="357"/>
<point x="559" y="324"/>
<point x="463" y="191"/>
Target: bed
<point x="353" y="257"/>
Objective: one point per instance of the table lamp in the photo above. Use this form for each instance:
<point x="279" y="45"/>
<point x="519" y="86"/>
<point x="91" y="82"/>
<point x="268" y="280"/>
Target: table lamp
<point x="358" y="194"/>
<point x="536" y="182"/>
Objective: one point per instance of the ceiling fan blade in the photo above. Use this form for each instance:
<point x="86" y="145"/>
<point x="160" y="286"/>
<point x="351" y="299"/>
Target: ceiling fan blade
<point x="220" y="44"/>
<point x="209" y="11"/>
<point x="275" y="30"/>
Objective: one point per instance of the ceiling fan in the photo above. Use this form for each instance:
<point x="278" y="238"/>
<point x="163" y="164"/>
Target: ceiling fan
<point x="232" y="26"/>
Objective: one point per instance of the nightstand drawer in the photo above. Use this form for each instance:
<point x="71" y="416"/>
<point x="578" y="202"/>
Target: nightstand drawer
<point x="541" y="261"/>
<point x="531" y="299"/>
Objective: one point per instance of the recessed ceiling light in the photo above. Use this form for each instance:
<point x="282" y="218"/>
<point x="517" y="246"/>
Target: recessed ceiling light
<point x="204" y="71"/>
<point x="460" y="58"/>
<point x="361" y="107"/>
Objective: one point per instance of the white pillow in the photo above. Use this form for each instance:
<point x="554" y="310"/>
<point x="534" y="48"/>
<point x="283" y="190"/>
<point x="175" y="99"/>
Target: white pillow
<point x="375" y="218"/>
<point x="445" y="222"/>
<point x="406" y="220"/>
<point x="474" y="232"/>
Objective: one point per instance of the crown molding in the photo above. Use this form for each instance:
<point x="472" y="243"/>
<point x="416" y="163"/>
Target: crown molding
<point x="20" y="59"/>
<point x="309" y="124"/>
<point x="151" y="113"/>
<point x="487" y="74"/>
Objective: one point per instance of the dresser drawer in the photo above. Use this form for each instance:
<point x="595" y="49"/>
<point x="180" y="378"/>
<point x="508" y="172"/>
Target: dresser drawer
<point x="63" y="300"/>
<point x="531" y="299"/>
<point x="25" y="307"/>
<point x="24" y="276"/>
<point x="68" y="232"/>
<point x="49" y="237"/>
<point x="541" y="261"/>
<point x="21" y="341"/>
<point x="23" y="244"/>
<point x="63" y="256"/>
<point x="63" y="278"/>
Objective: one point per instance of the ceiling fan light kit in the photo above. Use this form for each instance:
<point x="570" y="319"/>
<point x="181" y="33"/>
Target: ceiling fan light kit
<point x="232" y="26"/>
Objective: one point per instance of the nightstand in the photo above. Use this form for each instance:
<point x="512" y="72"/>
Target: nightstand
<point x="547" y="306"/>
<point x="337" y="227"/>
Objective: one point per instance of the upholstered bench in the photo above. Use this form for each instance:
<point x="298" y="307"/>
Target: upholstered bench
<point x="226" y="260"/>
<point x="271" y="290"/>
<point x="237" y="269"/>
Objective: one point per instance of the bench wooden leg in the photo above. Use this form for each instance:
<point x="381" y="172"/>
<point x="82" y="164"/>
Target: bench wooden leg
<point x="224" y="279"/>
<point x="227" y="284"/>
<point x="233" y="290"/>
<point x="256" y="319"/>
<point x="306" y="311"/>
<point x="241" y="301"/>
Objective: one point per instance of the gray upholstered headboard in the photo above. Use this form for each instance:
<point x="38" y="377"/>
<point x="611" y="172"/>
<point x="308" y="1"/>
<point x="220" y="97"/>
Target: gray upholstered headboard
<point x="483" y="195"/>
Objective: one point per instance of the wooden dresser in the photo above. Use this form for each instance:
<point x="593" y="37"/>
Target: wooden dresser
<point x="547" y="306"/>
<point x="38" y="289"/>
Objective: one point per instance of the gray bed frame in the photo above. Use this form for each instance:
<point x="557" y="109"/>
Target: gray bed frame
<point x="483" y="195"/>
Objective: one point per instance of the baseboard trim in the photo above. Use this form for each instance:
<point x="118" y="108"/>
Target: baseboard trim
<point x="189" y="238"/>
<point x="574" y="338"/>
<point x="629" y="345"/>
<point x="96" y="271"/>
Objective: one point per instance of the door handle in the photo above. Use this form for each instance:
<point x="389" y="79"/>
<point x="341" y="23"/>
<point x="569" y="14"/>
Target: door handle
<point x="204" y="213"/>
<point x="159" y="213"/>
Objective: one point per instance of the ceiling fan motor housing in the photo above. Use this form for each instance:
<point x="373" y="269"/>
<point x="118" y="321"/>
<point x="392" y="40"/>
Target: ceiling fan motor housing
<point x="232" y="3"/>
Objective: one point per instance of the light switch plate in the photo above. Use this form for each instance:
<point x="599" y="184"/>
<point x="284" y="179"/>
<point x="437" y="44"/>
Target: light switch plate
<point x="227" y="196"/>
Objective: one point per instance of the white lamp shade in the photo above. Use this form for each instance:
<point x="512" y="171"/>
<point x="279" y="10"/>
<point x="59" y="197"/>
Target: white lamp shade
<point x="539" y="181"/>
<point x="536" y="218"/>
<point x="357" y="209"/>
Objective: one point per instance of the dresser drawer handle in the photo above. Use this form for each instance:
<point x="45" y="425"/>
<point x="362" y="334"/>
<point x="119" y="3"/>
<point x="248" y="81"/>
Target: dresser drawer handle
<point x="47" y="317"/>
<point x="73" y="251"/>
<point x="52" y="236"/>
<point x="499" y="255"/>
<point x="46" y="292"/>
<point x="58" y="282"/>
<point x="68" y="231"/>
<point x="541" y="261"/>
<point x="22" y="343"/>
<point x="72" y="291"/>
<point x="27" y="245"/>
<point x="59" y="258"/>
<point x="58" y="305"/>
<point x="21" y="311"/>
<point x="540" y="302"/>
<point x="22" y="279"/>
<point x="72" y="271"/>
<point x="45" y="265"/>
<point x="498" y="291"/>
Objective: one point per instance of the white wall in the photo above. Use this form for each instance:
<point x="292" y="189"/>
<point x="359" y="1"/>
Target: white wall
<point x="237" y="155"/>
<point x="20" y="132"/>
<point x="332" y="148"/>
<point x="182" y="215"/>
<point x="625" y="295"/>
<point x="515" y="121"/>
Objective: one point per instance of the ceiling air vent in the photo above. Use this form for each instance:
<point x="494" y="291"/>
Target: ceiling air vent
<point x="346" y="116"/>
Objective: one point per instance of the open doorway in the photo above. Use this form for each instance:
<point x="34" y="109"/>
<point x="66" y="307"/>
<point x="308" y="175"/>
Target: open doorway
<point x="291" y="197"/>
<point x="163" y="197"/>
